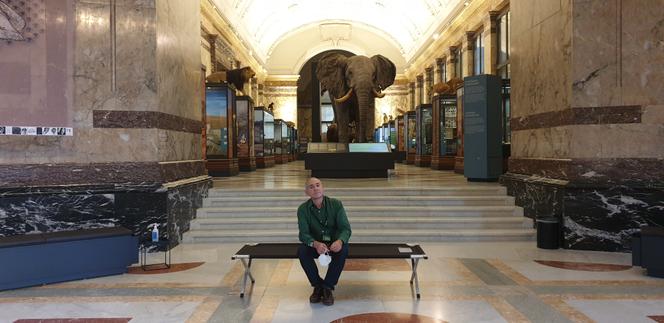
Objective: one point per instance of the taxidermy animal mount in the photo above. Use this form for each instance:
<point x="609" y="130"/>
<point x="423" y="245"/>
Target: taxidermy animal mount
<point x="354" y="83"/>
<point x="237" y="77"/>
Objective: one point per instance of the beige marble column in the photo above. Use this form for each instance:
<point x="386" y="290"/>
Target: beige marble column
<point x="469" y="46"/>
<point x="411" y="96"/>
<point x="588" y="116"/>
<point x="491" y="43"/>
<point x="428" y="79"/>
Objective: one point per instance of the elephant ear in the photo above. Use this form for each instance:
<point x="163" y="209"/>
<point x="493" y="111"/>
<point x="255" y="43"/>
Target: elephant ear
<point x="385" y="71"/>
<point x="331" y="71"/>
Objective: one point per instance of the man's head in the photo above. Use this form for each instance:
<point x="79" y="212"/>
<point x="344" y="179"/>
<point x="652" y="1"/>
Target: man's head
<point x="313" y="187"/>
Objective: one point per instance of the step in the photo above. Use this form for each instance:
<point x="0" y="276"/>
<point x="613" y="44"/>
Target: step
<point x="363" y="201"/>
<point x="367" y="211"/>
<point x="388" y="191"/>
<point x="384" y="235"/>
<point x="279" y="223"/>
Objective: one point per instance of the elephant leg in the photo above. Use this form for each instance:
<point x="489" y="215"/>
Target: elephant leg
<point x="342" y="119"/>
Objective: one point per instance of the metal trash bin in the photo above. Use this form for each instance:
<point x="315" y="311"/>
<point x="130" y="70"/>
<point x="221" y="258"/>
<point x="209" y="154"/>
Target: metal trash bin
<point x="548" y="233"/>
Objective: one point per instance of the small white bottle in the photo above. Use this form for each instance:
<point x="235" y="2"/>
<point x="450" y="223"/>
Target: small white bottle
<point x="155" y="233"/>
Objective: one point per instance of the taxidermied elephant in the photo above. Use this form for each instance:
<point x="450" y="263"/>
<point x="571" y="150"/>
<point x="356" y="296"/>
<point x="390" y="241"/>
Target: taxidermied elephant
<point x="354" y="83"/>
<point x="237" y="77"/>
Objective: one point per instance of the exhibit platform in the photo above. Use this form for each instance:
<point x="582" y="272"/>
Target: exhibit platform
<point x="355" y="160"/>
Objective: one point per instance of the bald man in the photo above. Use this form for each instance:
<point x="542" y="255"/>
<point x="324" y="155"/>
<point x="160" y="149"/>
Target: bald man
<point x="324" y="228"/>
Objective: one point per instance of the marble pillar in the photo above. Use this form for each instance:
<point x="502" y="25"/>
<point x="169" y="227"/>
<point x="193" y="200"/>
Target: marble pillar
<point x="588" y="117"/>
<point x="128" y="77"/>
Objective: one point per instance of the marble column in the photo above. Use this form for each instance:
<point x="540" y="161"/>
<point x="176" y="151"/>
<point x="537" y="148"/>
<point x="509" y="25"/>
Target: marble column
<point x="468" y="54"/>
<point x="588" y="117"/>
<point x="491" y="43"/>
<point x="125" y="76"/>
<point x="451" y="71"/>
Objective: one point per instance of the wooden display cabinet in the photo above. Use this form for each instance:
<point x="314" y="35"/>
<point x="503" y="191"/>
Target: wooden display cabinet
<point x="263" y="137"/>
<point x="424" y="135"/>
<point x="220" y="130"/>
<point x="245" y="133"/>
<point x="400" y="151"/>
<point x="444" y="131"/>
<point x="410" y="136"/>
<point x="280" y="141"/>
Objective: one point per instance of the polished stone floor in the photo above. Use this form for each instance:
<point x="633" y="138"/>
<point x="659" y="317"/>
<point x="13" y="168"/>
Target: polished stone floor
<point x="460" y="282"/>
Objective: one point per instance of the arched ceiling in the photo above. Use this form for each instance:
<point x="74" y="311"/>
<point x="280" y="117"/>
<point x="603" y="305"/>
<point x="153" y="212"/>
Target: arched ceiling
<point x="395" y="28"/>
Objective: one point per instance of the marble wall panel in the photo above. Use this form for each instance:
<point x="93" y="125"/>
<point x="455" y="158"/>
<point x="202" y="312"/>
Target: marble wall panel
<point x="36" y="62"/>
<point x="86" y="146"/>
<point x="93" y="72"/>
<point x="605" y="218"/>
<point x="175" y="145"/>
<point x="304" y="123"/>
<point x="642" y="52"/>
<point x="596" y="54"/>
<point x="135" y="50"/>
<point x="617" y="141"/>
<point x="70" y="208"/>
<point x="540" y="63"/>
<point x="545" y="143"/>
<point x="539" y="196"/>
<point x="178" y="58"/>
<point x="182" y="204"/>
<point x="653" y="114"/>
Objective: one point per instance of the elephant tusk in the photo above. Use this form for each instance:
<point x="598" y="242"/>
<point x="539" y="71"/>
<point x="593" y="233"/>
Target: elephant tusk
<point x="378" y="94"/>
<point x="345" y="97"/>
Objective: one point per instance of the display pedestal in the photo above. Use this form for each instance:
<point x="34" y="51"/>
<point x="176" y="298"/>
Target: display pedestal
<point x="422" y="160"/>
<point x="349" y="165"/>
<point x="442" y="162"/>
<point x="247" y="164"/>
<point x="265" y="161"/>
<point x="223" y="167"/>
<point x="458" y="165"/>
<point x="399" y="156"/>
<point x="160" y="246"/>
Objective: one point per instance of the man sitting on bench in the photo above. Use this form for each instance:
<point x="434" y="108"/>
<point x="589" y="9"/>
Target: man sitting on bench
<point x="324" y="228"/>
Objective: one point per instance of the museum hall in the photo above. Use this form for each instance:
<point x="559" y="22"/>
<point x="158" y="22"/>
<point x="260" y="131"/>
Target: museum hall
<point x="454" y="160"/>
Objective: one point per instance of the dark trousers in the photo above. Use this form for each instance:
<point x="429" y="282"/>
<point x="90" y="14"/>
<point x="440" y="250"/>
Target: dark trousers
<point x="307" y="255"/>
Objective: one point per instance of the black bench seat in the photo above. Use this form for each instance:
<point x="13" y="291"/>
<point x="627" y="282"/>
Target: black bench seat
<point x="355" y="251"/>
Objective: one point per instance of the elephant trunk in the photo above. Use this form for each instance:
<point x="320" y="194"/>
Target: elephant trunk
<point x="366" y="105"/>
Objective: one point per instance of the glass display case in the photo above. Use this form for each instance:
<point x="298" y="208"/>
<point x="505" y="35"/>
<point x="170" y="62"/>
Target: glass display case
<point x="410" y="136"/>
<point x="424" y="135"/>
<point x="444" y="131"/>
<point x="294" y="142"/>
<point x="245" y="133"/>
<point x="280" y="141"/>
<point x="220" y="130"/>
<point x="400" y="153"/>
<point x="263" y="137"/>
<point x="288" y="149"/>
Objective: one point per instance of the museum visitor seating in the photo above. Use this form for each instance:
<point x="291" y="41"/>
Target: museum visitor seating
<point x="36" y="259"/>
<point x="355" y="251"/>
<point x="647" y="247"/>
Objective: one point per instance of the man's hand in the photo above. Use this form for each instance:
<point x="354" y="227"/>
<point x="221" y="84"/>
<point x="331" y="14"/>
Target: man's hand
<point x="336" y="246"/>
<point x="321" y="248"/>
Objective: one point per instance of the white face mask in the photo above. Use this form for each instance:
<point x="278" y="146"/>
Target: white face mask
<point x="324" y="259"/>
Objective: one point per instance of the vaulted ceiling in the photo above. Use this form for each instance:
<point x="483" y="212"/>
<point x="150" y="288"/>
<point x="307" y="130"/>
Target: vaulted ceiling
<point x="283" y="34"/>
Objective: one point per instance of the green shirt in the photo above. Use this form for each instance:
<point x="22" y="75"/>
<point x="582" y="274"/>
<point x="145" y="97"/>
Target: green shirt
<point x="328" y="221"/>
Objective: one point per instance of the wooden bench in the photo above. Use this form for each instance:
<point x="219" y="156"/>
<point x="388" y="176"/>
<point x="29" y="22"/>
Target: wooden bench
<point x="44" y="258"/>
<point x="355" y="251"/>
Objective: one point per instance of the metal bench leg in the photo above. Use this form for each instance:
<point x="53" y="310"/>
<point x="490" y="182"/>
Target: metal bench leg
<point x="247" y="273"/>
<point x="413" y="276"/>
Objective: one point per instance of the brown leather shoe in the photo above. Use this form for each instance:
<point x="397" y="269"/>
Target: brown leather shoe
<point x="328" y="298"/>
<point x="316" y="295"/>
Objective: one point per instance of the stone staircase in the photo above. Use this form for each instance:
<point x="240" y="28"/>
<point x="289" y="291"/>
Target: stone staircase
<point x="462" y="213"/>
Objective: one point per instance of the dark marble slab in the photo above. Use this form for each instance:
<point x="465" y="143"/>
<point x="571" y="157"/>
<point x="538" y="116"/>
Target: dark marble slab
<point x="130" y="174"/>
<point x="593" y="217"/>
<point x="144" y="119"/>
<point x="37" y="209"/>
<point x="644" y="172"/>
<point x="604" y="218"/>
